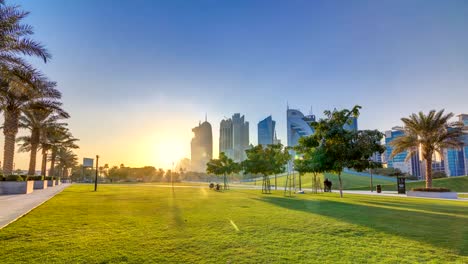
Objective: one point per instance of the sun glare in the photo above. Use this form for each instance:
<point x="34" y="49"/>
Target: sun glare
<point x="169" y="151"/>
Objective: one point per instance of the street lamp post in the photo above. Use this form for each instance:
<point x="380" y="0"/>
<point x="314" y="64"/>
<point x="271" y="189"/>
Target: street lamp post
<point x="95" y="178"/>
<point x="371" y="183"/>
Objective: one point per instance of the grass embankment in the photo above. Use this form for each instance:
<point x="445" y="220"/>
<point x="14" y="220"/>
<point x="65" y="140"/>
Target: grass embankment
<point x="350" y="181"/>
<point x="456" y="184"/>
<point x="144" y="223"/>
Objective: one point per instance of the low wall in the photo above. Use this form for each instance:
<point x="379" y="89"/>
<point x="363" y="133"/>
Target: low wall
<point x="38" y="185"/>
<point x="13" y="187"/>
<point x="444" y="195"/>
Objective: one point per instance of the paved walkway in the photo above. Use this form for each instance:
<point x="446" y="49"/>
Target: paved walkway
<point x="13" y="207"/>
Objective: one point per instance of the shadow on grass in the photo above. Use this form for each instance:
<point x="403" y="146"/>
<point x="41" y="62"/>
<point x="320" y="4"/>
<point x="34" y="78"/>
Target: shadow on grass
<point x="445" y="231"/>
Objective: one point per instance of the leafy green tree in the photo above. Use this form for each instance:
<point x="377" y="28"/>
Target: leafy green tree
<point x="222" y="166"/>
<point x="341" y="148"/>
<point x="428" y="134"/>
<point x="260" y="160"/>
<point x="280" y="159"/>
<point x="311" y="160"/>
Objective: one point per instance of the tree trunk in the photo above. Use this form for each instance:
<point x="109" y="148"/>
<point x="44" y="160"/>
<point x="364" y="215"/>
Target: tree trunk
<point x="35" y="138"/>
<point x="276" y="183"/>
<point x="225" y="181"/>
<point x="10" y="129"/>
<point x="341" y="184"/>
<point x="52" y="163"/>
<point x="314" y="183"/>
<point x="300" y="182"/>
<point x="429" y="172"/>
<point x="44" y="162"/>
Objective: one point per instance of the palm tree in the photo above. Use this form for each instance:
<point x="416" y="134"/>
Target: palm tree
<point x="429" y="134"/>
<point x="18" y="89"/>
<point x="37" y="117"/>
<point x="14" y="38"/>
<point x="57" y="139"/>
<point x="18" y="79"/>
<point x="66" y="159"/>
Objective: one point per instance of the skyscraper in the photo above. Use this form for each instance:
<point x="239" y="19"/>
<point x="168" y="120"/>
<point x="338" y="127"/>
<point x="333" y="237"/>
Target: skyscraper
<point x="298" y="126"/>
<point x="352" y="125"/>
<point x="266" y="131"/>
<point x="399" y="161"/>
<point x="234" y="137"/>
<point x="457" y="159"/>
<point x="201" y="146"/>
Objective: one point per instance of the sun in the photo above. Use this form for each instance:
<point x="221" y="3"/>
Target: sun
<point x="168" y="151"/>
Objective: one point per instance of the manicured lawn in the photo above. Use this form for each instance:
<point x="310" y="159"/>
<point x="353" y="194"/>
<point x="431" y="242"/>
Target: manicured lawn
<point x="146" y="223"/>
<point x="350" y="181"/>
<point x="456" y="184"/>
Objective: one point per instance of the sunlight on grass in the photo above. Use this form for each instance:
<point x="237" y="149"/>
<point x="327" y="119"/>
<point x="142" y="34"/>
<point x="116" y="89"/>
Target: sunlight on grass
<point x="147" y="223"/>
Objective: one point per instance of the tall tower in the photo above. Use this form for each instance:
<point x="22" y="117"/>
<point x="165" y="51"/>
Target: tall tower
<point x="266" y="131"/>
<point x="234" y="137"/>
<point x="201" y="146"/>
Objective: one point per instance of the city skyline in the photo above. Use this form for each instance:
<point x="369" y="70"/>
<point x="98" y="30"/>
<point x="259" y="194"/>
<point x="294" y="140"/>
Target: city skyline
<point x="135" y="102"/>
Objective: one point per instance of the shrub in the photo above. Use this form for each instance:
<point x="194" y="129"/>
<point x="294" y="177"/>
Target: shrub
<point x="438" y="175"/>
<point x="13" y="178"/>
<point x="50" y="178"/>
<point x="433" y="189"/>
<point x="36" y="178"/>
<point x="25" y="177"/>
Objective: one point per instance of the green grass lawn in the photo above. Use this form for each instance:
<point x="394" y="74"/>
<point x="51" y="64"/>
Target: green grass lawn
<point x="146" y="223"/>
<point x="350" y="181"/>
<point x="456" y="184"/>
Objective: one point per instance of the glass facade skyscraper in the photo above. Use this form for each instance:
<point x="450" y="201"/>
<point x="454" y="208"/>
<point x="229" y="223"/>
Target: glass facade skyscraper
<point x="352" y="125"/>
<point x="411" y="166"/>
<point x="266" y="131"/>
<point x="298" y="126"/>
<point x="457" y="159"/>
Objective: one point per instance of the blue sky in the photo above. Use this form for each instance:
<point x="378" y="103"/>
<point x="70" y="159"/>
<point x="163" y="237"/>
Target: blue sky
<point x="138" y="75"/>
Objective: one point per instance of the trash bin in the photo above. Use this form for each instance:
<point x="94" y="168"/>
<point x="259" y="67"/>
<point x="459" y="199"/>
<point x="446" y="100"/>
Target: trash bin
<point x="379" y="188"/>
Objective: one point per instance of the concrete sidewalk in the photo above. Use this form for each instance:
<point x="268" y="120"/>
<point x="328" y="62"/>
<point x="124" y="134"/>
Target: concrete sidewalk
<point x="13" y="207"/>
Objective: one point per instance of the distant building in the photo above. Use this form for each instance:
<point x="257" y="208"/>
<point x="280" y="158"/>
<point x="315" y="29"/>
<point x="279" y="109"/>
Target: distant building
<point x="352" y="125"/>
<point x="298" y="126"/>
<point x="201" y="146"/>
<point x="457" y="159"/>
<point x="234" y="137"/>
<point x="266" y="131"/>
<point x="412" y="166"/>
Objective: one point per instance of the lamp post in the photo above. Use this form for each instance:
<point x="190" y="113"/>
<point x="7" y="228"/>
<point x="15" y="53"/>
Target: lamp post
<point x="370" y="170"/>
<point x="95" y="178"/>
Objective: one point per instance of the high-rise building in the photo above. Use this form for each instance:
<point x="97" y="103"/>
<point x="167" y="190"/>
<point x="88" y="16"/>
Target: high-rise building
<point x="266" y="131"/>
<point x="411" y="166"/>
<point x="234" y="137"/>
<point x="352" y="125"/>
<point x="457" y="159"/>
<point x="298" y="126"/>
<point x="201" y="146"/>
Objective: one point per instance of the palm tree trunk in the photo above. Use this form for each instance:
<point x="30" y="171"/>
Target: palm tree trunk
<point x="44" y="162"/>
<point x="52" y="163"/>
<point x="10" y="129"/>
<point x="34" y="145"/>
<point x="429" y="172"/>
